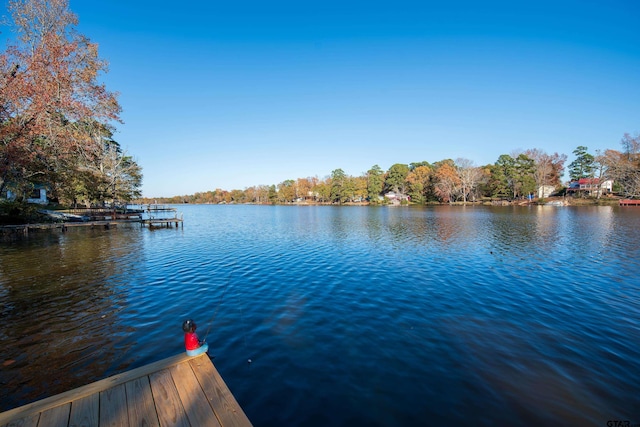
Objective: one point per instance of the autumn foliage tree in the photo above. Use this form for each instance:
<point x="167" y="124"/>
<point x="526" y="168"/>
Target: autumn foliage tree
<point x="623" y="167"/>
<point x="447" y="181"/>
<point x="419" y="180"/>
<point x="304" y="186"/>
<point x="287" y="191"/>
<point x="53" y="109"/>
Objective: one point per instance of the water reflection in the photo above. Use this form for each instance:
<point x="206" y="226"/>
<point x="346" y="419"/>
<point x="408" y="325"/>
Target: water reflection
<point x="60" y="300"/>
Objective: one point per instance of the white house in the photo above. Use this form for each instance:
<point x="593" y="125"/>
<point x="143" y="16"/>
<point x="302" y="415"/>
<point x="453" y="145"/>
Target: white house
<point x="592" y="186"/>
<point x="545" y="191"/>
<point x="38" y="195"/>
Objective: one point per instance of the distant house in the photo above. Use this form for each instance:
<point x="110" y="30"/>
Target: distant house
<point x="395" y="198"/>
<point x="591" y="186"/>
<point x="38" y="195"/>
<point x="545" y="191"/>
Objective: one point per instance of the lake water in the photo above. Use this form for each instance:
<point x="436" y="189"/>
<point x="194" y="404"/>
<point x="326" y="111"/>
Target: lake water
<point x="351" y="316"/>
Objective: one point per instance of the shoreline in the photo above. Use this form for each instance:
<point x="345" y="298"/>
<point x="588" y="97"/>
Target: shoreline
<point x="552" y="201"/>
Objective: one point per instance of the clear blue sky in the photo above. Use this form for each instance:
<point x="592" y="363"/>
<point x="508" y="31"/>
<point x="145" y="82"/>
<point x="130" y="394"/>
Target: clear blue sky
<point x="239" y="93"/>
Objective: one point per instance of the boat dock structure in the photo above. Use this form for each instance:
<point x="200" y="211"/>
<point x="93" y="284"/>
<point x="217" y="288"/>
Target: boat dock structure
<point x="157" y="216"/>
<point x="629" y="202"/>
<point x="179" y="391"/>
<point x="152" y="216"/>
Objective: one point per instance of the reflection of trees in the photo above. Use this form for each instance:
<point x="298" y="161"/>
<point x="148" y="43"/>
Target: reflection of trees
<point x="447" y="224"/>
<point x="59" y="300"/>
<point x="511" y="229"/>
<point x="415" y="226"/>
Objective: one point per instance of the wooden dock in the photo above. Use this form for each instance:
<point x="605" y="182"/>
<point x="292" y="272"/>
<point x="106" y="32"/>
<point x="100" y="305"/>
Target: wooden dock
<point x="157" y="216"/>
<point x="629" y="202"/>
<point x="162" y="222"/>
<point x="179" y="391"/>
<point x="63" y="226"/>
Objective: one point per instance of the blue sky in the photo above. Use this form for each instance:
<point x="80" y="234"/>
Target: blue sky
<point x="235" y="94"/>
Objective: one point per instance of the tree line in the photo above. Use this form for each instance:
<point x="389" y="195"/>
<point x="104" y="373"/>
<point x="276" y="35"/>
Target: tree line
<point x="56" y="119"/>
<point x="511" y="177"/>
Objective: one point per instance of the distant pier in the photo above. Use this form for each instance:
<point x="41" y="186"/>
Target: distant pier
<point x="152" y="216"/>
<point x="162" y="222"/>
<point x="161" y="216"/>
<point x="629" y="202"/>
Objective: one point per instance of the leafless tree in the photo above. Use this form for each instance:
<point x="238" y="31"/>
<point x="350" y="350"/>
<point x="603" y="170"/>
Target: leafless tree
<point x="469" y="175"/>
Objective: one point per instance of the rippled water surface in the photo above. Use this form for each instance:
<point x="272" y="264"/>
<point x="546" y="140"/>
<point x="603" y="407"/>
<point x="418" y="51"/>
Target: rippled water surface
<point x="350" y="315"/>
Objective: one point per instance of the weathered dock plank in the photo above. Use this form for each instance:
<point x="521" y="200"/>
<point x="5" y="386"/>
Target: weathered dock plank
<point x="84" y="412"/>
<point x="141" y="409"/>
<point x="198" y="410"/>
<point x="170" y="410"/>
<point x="27" y="421"/>
<point x="220" y="398"/>
<point x="55" y="417"/>
<point x="113" y="407"/>
<point x="180" y="391"/>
